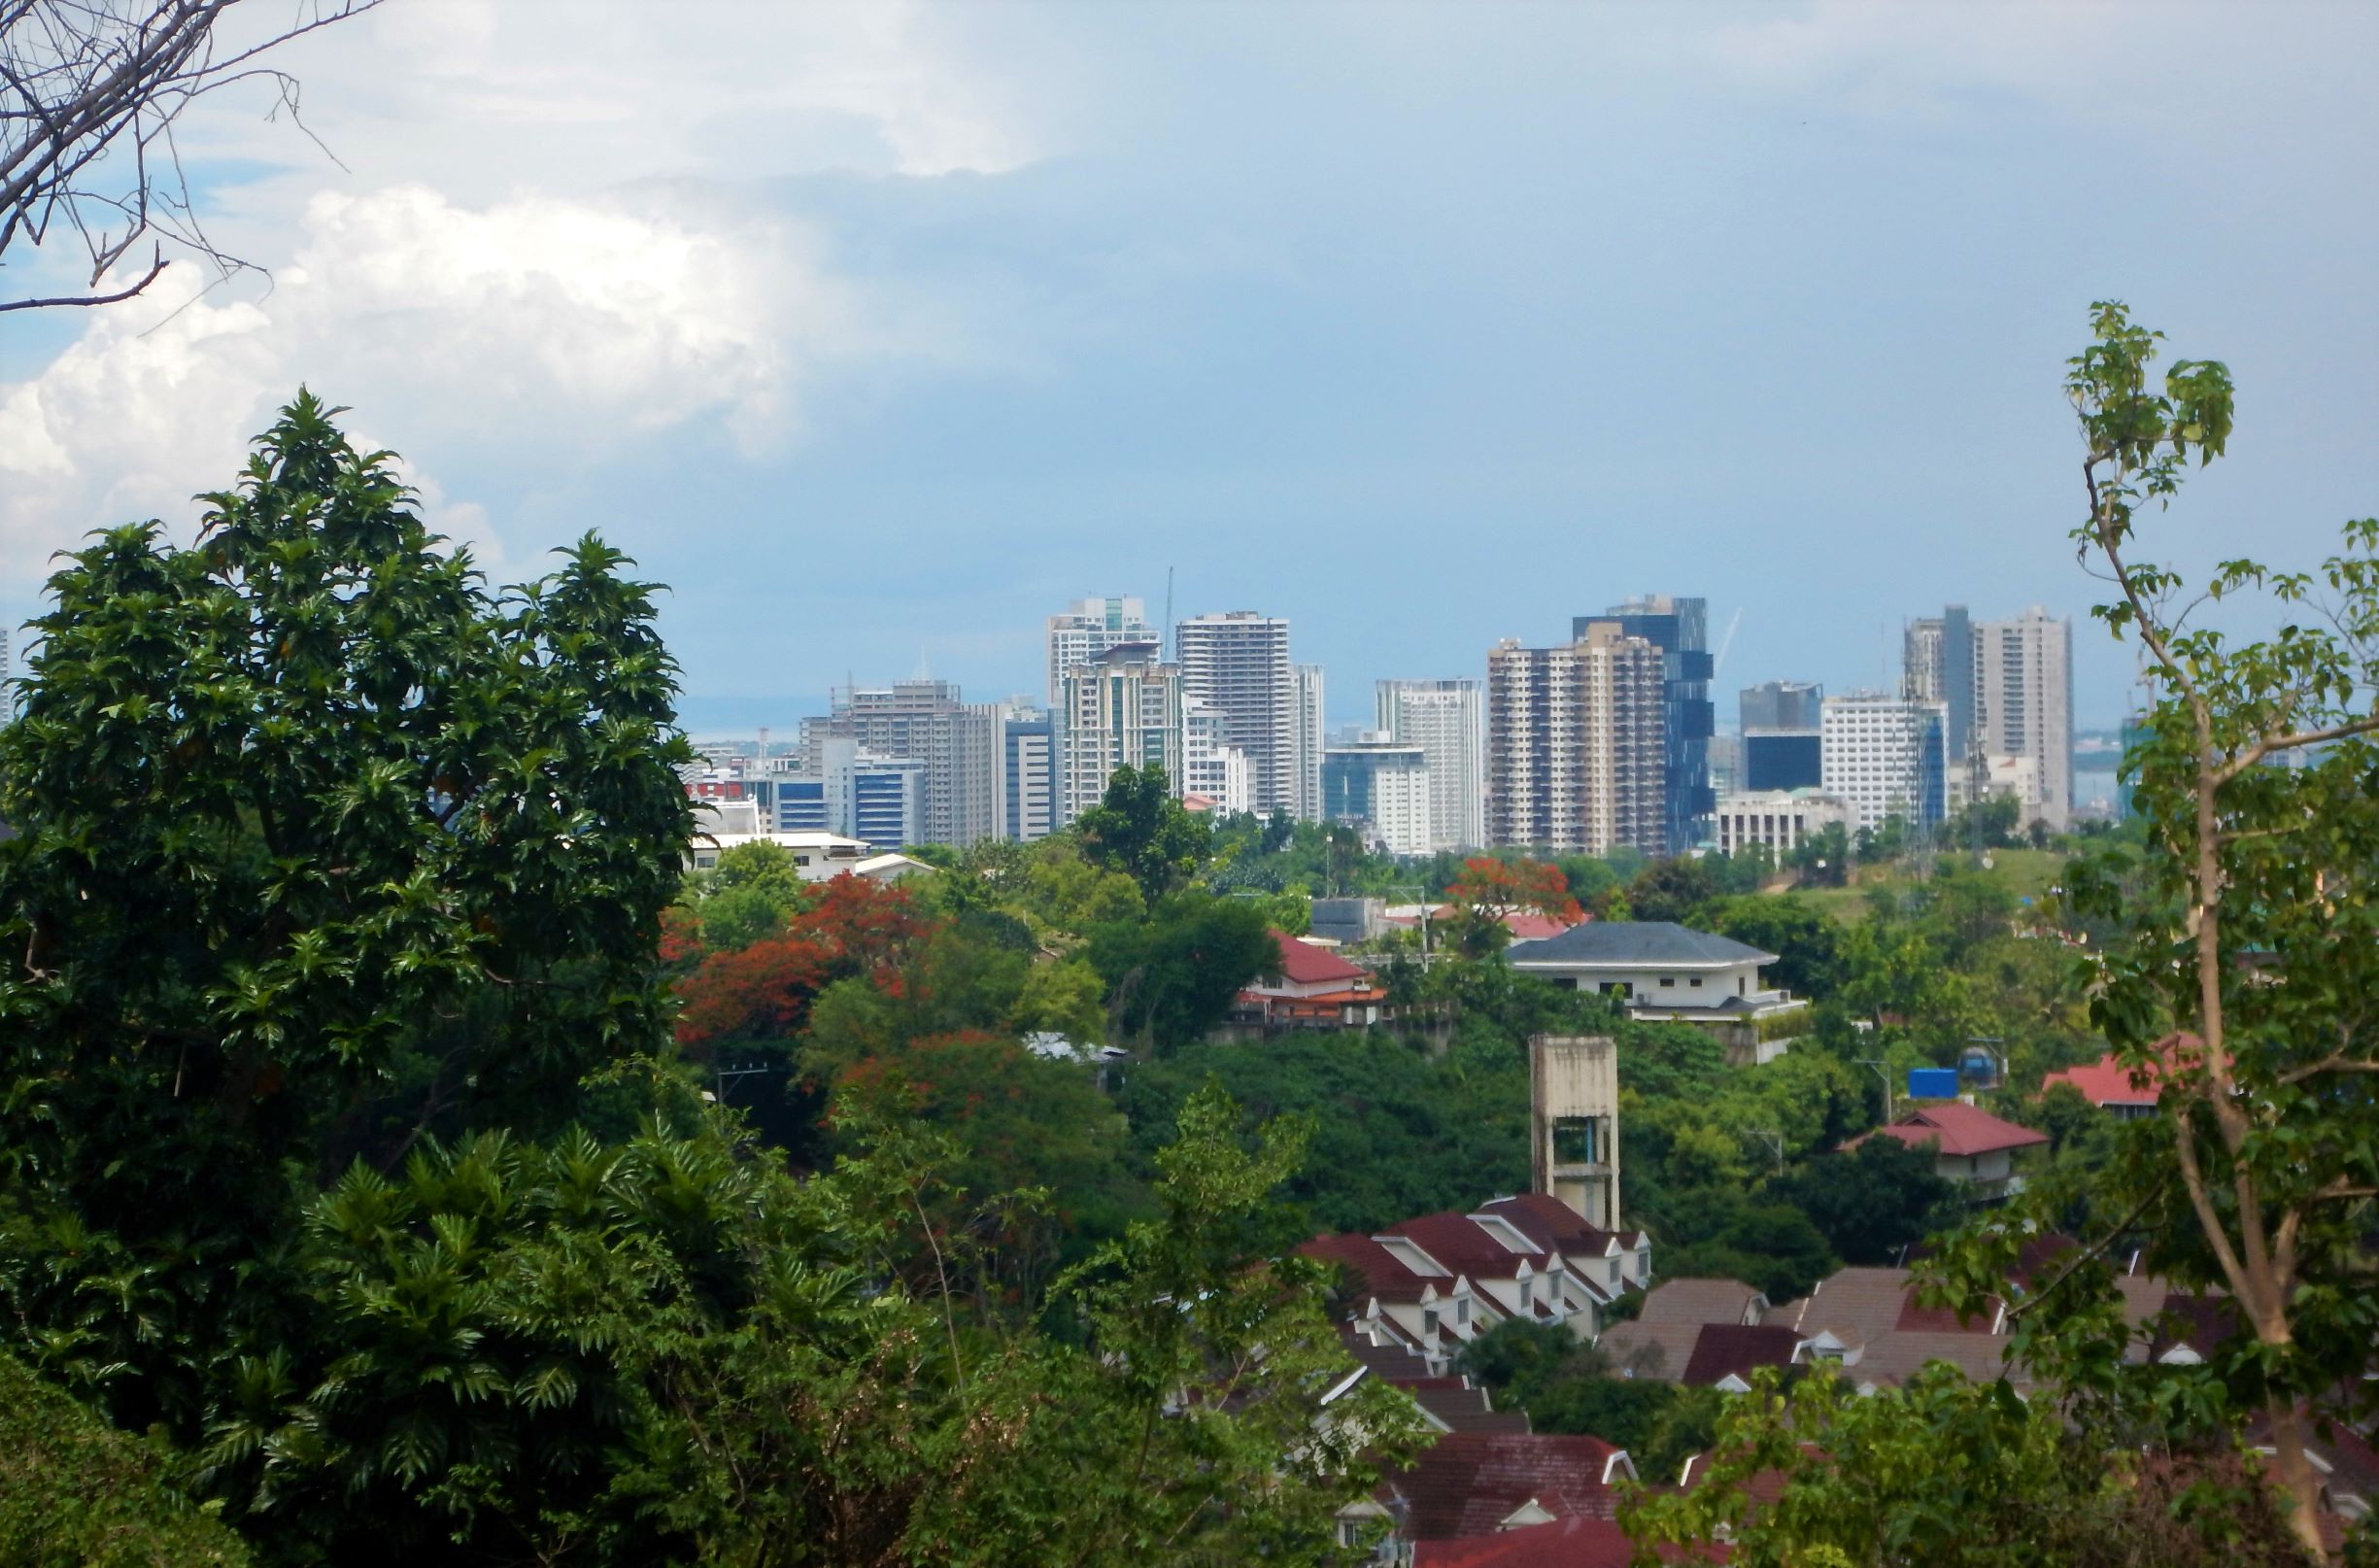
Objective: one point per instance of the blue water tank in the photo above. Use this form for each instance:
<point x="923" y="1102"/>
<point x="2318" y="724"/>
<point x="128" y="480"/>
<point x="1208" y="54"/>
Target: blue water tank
<point x="1932" y="1083"/>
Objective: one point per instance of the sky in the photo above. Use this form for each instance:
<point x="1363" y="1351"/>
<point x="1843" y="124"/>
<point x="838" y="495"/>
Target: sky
<point x="880" y="333"/>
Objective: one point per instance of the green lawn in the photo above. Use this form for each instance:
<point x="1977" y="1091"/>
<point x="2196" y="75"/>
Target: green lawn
<point x="2029" y="873"/>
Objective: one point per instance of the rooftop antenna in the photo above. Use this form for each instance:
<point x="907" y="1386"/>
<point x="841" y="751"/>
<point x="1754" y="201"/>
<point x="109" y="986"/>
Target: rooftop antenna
<point x="1165" y="633"/>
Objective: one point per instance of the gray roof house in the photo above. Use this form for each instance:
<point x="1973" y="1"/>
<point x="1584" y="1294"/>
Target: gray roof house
<point x="1664" y="973"/>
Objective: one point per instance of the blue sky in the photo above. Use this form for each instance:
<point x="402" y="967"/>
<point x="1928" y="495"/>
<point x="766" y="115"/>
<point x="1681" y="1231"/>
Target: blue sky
<point x="878" y="333"/>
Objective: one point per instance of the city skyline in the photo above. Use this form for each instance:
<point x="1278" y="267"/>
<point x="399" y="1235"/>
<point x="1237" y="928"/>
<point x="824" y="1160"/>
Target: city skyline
<point x="966" y="312"/>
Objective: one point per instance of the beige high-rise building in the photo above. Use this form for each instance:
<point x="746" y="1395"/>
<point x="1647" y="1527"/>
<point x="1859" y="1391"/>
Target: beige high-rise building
<point x="2023" y="709"/>
<point x="1577" y="742"/>
<point x="1447" y="719"/>
<point x="959" y="742"/>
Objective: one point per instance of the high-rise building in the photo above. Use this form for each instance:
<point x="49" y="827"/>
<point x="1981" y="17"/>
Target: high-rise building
<point x="1088" y="628"/>
<point x="1680" y="627"/>
<point x="1123" y="709"/>
<point x="1310" y="742"/>
<point x="1447" y="719"/>
<point x="1577" y="745"/>
<point x="957" y="742"/>
<point x="2008" y="689"/>
<point x="1937" y="661"/>
<point x="2023" y="708"/>
<point x="1028" y="772"/>
<point x="1383" y="783"/>
<point x="1780" y="706"/>
<point x="1887" y="756"/>
<point x="1238" y="664"/>
<point x="1781" y="748"/>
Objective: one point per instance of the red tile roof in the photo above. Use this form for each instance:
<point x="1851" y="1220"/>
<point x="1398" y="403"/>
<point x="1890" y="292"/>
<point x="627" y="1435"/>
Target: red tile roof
<point x="1470" y="1482"/>
<point x="1303" y="964"/>
<point x="1959" y="1130"/>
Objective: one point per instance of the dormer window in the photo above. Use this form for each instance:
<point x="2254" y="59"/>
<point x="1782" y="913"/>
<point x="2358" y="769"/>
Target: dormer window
<point x="1462" y="1311"/>
<point x="1429" y="1323"/>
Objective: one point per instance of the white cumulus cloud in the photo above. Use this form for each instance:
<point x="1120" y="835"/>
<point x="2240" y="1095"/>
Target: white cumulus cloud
<point x="557" y="329"/>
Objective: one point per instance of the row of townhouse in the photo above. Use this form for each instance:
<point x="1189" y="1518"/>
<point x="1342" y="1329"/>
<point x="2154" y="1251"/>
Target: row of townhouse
<point x="1431" y="1285"/>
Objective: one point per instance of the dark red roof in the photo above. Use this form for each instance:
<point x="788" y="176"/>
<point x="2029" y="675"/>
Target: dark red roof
<point x="1738" y="1350"/>
<point x="2200" y="1322"/>
<point x="1576" y="1542"/>
<point x="1457" y="1241"/>
<point x="1469" y="1482"/>
<point x="1548" y="1221"/>
<point x="1959" y="1129"/>
<point x="1377" y="1270"/>
<point x="1303" y="964"/>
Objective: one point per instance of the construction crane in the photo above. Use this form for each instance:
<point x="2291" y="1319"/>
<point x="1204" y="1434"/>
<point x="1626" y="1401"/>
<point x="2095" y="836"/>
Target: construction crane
<point x="1726" y="642"/>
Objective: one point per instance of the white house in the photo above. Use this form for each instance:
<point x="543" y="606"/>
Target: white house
<point x="1665" y="973"/>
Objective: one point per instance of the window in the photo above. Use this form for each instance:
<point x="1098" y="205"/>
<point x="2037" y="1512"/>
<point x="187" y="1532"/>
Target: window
<point x="1350" y="1533"/>
<point x="1695" y="982"/>
<point x="1615" y="1270"/>
<point x="1429" y="1323"/>
<point x="1668" y="979"/>
<point x="1462" y="1310"/>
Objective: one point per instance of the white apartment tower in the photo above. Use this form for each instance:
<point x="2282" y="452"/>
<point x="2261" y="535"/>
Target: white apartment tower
<point x="1310" y="744"/>
<point x="1447" y="719"/>
<point x="1123" y="709"/>
<point x="1238" y="664"/>
<point x="1577" y="745"/>
<point x="1089" y="627"/>
<point x="1885" y="756"/>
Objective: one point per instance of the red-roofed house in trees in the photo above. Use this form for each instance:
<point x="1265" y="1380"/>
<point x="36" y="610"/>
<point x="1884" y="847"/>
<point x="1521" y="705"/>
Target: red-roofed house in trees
<point x="1970" y="1146"/>
<point x="2126" y="1093"/>
<point x="1318" y="989"/>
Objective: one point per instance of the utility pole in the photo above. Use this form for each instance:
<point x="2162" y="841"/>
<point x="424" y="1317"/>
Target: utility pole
<point x="1881" y="1073"/>
<point x="1775" y="1140"/>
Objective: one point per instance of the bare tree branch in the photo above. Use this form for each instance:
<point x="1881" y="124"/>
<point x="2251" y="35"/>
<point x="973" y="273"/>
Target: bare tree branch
<point x="90" y="91"/>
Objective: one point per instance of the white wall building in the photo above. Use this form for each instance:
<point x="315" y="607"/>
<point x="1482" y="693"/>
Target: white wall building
<point x="1238" y="664"/>
<point x="1780" y="819"/>
<point x="1213" y="767"/>
<point x="1447" y="719"/>
<point x="1087" y="629"/>
<point x="1126" y="709"/>
<point x="1885" y="756"/>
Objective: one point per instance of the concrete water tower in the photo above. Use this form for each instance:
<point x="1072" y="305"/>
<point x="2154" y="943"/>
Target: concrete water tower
<point x="1573" y="1115"/>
